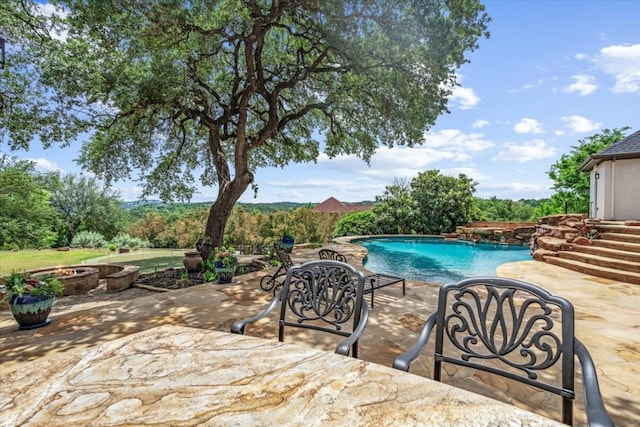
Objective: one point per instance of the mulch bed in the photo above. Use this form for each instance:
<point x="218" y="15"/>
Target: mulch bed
<point x="174" y="278"/>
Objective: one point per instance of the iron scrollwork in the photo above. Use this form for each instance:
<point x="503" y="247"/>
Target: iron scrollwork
<point x="324" y="293"/>
<point x="518" y="330"/>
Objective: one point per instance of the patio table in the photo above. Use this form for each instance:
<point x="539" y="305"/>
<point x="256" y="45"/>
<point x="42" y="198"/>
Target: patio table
<point x="180" y="376"/>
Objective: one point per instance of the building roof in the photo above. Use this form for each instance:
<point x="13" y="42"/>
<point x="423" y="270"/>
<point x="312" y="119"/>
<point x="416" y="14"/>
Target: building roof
<point x="334" y="205"/>
<point x="628" y="148"/>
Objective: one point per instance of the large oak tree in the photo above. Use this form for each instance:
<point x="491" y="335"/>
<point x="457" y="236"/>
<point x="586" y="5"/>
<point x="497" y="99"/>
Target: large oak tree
<point x="179" y="90"/>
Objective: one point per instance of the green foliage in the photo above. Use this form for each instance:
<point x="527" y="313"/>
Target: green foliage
<point x="17" y="285"/>
<point x="184" y="276"/>
<point x="88" y="239"/>
<point x="83" y="204"/>
<point x="494" y="209"/>
<point x="167" y="88"/>
<point x="395" y="209"/>
<point x="168" y="228"/>
<point x="25" y="213"/>
<point x="442" y="202"/>
<point x="127" y="241"/>
<point x="361" y="223"/>
<point x="112" y="247"/>
<point x="225" y="255"/>
<point x="561" y="203"/>
<point x="209" y="270"/>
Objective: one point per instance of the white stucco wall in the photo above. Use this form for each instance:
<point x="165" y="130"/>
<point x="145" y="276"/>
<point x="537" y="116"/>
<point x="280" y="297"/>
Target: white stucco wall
<point x="615" y="194"/>
<point x="626" y="174"/>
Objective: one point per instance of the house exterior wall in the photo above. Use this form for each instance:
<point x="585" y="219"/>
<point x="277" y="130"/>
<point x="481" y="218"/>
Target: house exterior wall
<point x="626" y="174"/>
<point x="615" y="190"/>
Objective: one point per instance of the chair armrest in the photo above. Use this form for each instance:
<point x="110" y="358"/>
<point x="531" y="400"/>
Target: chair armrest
<point x="597" y="415"/>
<point x="239" y="325"/>
<point x="345" y="346"/>
<point x="403" y="361"/>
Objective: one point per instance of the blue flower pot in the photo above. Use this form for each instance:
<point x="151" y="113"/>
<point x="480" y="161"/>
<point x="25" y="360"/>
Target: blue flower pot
<point x="31" y="312"/>
<point x="287" y="244"/>
<point x="225" y="274"/>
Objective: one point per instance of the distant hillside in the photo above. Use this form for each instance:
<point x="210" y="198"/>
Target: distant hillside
<point x="139" y="208"/>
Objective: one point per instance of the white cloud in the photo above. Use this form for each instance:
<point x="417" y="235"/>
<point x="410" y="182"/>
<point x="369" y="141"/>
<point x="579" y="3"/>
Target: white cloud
<point x="584" y="84"/>
<point x="448" y="145"/>
<point x="623" y="63"/>
<point x="465" y="96"/>
<point x="580" y="56"/>
<point x="580" y="124"/>
<point x="132" y="191"/>
<point x="528" y="126"/>
<point x="473" y="173"/>
<point x="478" y="124"/>
<point x="406" y="162"/>
<point x="45" y="165"/>
<point x="311" y="183"/>
<point x="538" y="83"/>
<point x="515" y="190"/>
<point x="535" y="149"/>
<point x="456" y="140"/>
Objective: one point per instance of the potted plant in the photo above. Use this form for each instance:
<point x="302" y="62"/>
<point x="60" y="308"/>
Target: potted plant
<point x="31" y="298"/>
<point x="287" y="241"/>
<point x="225" y="261"/>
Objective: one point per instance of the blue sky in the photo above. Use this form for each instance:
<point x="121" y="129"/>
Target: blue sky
<point x="552" y="73"/>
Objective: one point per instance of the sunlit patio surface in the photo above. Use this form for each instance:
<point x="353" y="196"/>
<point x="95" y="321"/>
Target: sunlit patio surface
<point x="607" y="322"/>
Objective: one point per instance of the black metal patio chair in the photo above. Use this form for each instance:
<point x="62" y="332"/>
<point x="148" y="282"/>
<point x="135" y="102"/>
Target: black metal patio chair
<point x="321" y="295"/>
<point x="274" y="281"/>
<point x="372" y="281"/>
<point x="513" y="329"/>
<point x="330" y="254"/>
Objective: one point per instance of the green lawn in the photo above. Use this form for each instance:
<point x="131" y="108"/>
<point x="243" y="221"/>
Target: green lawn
<point x="147" y="259"/>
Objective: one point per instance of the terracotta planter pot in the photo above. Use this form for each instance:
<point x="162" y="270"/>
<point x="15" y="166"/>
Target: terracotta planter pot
<point x="192" y="261"/>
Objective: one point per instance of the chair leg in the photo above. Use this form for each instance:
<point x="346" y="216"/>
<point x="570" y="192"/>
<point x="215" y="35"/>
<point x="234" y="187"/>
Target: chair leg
<point x="372" y="290"/>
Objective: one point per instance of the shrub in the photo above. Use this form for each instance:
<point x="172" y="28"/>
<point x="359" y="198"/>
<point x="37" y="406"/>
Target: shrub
<point x="88" y="239"/>
<point x="126" y="241"/>
<point x="357" y="224"/>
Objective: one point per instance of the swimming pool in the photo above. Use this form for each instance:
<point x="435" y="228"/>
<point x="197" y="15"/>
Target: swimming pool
<point x="436" y="260"/>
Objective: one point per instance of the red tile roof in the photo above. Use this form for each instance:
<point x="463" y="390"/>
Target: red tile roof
<point x="334" y="205"/>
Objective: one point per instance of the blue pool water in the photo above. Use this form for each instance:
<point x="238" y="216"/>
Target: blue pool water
<point x="436" y="260"/>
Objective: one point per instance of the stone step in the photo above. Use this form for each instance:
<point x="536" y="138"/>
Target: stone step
<point x="602" y="261"/>
<point x="613" y="244"/>
<point x="594" y="270"/>
<point x="621" y="237"/>
<point x="608" y="252"/>
<point x="616" y="228"/>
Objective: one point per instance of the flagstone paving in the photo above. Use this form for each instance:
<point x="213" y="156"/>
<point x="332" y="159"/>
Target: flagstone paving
<point x="607" y="321"/>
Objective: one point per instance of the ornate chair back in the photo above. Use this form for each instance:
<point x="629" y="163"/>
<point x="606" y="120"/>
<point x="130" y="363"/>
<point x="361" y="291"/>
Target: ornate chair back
<point x="325" y="296"/>
<point x="514" y="329"/>
<point x="283" y="256"/>
<point x="330" y="254"/>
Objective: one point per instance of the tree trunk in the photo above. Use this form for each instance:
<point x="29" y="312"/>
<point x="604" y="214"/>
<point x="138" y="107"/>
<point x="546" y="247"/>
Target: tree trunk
<point x="220" y="212"/>
<point x="229" y="191"/>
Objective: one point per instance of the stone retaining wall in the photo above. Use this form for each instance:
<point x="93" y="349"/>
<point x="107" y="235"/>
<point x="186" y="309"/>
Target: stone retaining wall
<point x="555" y="233"/>
<point x="511" y="233"/>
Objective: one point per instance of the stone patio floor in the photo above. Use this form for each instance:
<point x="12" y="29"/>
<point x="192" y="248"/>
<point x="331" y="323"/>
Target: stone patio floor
<point x="607" y="322"/>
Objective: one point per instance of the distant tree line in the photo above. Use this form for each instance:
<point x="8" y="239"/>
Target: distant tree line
<point x="43" y="210"/>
